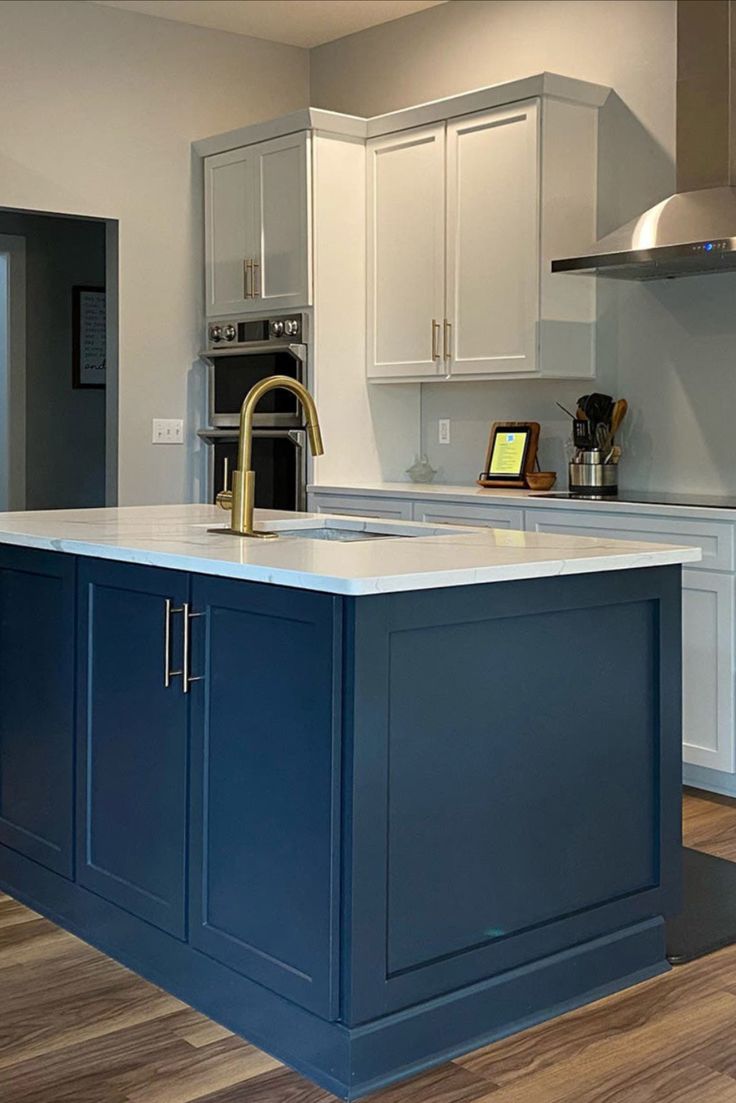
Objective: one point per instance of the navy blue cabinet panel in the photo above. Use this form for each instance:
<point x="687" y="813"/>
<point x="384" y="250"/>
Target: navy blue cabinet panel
<point x="265" y="746"/>
<point x="37" y="706"/>
<point x="479" y="781"/>
<point x="133" y="741"/>
<point x="516" y="814"/>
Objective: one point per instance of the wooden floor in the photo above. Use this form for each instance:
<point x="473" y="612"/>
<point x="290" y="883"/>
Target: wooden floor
<point x="77" y="1028"/>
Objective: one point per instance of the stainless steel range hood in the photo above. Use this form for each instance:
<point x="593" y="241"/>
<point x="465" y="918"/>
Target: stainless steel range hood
<point x="693" y="231"/>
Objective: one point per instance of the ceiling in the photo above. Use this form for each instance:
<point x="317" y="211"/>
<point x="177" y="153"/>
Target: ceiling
<point x="295" y="22"/>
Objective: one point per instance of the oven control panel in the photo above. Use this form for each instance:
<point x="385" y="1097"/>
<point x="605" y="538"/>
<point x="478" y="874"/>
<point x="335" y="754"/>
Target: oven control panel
<point x="240" y="331"/>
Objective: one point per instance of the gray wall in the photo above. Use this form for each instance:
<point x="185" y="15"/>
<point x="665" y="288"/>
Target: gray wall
<point x="98" y="111"/>
<point x="65" y="428"/>
<point x="669" y="347"/>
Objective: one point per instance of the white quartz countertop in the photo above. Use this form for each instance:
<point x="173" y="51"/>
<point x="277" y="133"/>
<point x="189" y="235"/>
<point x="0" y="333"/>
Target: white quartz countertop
<point x="177" y="537"/>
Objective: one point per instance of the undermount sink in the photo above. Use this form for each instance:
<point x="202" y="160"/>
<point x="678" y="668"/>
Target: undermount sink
<point x="347" y="530"/>
<point x="335" y="532"/>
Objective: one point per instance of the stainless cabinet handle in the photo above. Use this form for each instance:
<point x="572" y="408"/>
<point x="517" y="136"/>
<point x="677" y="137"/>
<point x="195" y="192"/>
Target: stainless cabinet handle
<point x="169" y="611"/>
<point x="225" y="473"/>
<point x="256" y="289"/>
<point x="188" y="679"/>
<point x="435" y="339"/>
<point x="447" y="352"/>
<point x="247" y="278"/>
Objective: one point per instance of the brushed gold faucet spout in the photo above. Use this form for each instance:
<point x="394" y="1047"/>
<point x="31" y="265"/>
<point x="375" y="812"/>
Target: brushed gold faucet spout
<point x="241" y="499"/>
<point x="315" y="438"/>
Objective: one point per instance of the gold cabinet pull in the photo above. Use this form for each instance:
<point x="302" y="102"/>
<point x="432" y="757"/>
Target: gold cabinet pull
<point x="188" y="678"/>
<point x="446" y="349"/>
<point x="435" y="339"/>
<point x="169" y="611"/>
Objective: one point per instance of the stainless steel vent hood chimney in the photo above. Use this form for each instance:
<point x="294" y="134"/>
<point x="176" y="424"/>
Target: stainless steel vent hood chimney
<point x="693" y="231"/>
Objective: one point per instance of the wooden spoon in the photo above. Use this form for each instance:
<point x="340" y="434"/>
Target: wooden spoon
<point x="618" y="415"/>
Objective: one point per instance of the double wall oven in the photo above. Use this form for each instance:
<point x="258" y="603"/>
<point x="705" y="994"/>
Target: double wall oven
<point x="239" y="353"/>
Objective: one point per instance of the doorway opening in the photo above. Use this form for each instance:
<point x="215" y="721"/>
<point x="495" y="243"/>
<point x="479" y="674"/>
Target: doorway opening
<point x="58" y="361"/>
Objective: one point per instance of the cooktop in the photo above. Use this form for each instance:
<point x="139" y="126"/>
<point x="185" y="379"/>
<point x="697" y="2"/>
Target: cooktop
<point x="649" y="497"/>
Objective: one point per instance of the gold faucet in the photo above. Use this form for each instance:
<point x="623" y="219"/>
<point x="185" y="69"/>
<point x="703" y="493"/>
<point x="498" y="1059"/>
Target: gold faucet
<point x="241" y="498"/>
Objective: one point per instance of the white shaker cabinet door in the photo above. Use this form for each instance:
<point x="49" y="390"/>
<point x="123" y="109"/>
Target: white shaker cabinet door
<point x="282" y="276"/>
<point x="230" y="231"/>
<point x="406" y="254"/>
<point x="493" y="241"/>
<point x="708" y="669"/>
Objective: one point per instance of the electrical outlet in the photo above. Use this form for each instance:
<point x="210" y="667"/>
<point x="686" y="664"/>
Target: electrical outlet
<point x="443" y="435"/>
<point x="168" y="430"/>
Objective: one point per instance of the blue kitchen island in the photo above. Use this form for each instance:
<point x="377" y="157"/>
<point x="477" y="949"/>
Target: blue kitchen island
<point x="369" y="800"/>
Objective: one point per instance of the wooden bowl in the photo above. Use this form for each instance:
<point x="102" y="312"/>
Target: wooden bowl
<point x="541" y="480"/>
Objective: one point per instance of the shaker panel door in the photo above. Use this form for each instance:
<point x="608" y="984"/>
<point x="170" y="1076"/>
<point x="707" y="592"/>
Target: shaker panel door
<point x="37" y="706"/>
<point x="132" y="741"/>
<point x="708" y="712"/>
<point x="493" y="241"/>
<point x="231" y="240"/>
<point x="265" y="768"/>
<point x="282" y="280"/>
<point x="406" y="254"/>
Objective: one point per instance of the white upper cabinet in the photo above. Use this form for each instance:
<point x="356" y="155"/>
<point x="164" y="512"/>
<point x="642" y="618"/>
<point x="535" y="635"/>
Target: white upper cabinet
<point x="464" y="202"/>
<point x="257" y="227"/>
<point x="283" y="222"/>
<point x="230" y="233"/>
<point x="492" y="301"/>
<point x="406" y="254"/>
<point x="511" y="188"/>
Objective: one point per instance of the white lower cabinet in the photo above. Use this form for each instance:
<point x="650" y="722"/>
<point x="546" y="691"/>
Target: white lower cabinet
<point x="714" y="538"/>
<point x="708" y="669"/>
<point x="358" y="505"/>
<point x="708" y="619"/>
<point x="455" y="513"/>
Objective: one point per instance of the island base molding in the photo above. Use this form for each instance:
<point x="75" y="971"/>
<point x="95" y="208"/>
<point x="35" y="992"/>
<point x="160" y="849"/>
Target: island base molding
<point x="350" y="1062"/>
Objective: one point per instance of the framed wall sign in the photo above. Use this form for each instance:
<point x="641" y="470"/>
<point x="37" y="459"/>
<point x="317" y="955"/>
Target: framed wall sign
<point x="512" y="452"/>
<point x="89" y="337"/>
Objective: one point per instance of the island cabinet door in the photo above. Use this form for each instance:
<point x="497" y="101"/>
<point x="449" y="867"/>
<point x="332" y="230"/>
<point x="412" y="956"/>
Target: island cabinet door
<point x="265" y="786"/>
<point x="499" y="815"/>
<point x="133" y="753"/>
<point x="37" y="706"/>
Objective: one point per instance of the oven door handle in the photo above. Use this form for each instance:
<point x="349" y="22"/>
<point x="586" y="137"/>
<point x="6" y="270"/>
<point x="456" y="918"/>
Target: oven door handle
<point x="299" y="352"/>
<point x="298" y="436"/>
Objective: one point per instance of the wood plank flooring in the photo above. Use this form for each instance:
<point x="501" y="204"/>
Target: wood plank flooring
<point x="77" y="1028"/>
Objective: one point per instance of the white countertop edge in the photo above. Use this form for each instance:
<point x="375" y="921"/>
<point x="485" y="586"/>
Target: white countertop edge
<point x="519" y="499"/>
<point x="363" y="586"/>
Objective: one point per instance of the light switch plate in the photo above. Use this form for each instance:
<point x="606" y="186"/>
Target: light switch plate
<point x="443" y="434"/>
<point x="168" y="430"/>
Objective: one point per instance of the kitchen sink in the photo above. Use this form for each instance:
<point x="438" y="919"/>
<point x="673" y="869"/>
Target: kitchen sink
<point x="347" y="536"/>
<point x="346" y="530"/>
<point x="349" y="530"/>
